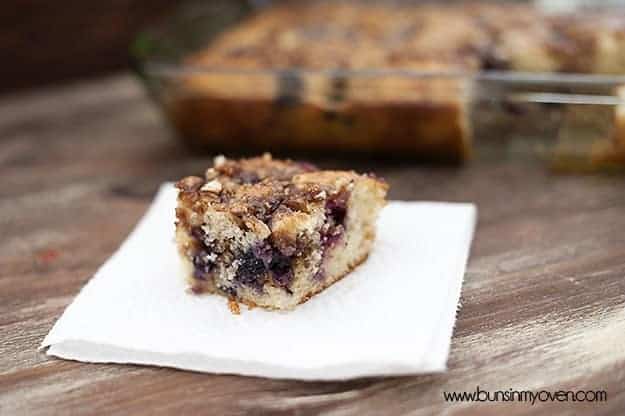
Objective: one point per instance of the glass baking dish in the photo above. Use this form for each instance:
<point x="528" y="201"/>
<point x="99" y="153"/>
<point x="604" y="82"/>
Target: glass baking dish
<point x="572" y="121"/>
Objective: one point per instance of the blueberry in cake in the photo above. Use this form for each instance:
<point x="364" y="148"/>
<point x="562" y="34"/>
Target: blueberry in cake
<point x="273" y="233"/>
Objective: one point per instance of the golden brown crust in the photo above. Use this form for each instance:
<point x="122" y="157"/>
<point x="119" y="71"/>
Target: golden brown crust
<point x="233" y="305"/>
<point x="261" y="187"/>
<point x="436" y="128"/>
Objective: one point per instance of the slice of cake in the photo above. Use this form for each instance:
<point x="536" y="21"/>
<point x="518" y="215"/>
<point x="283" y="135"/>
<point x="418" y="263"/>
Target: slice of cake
<point x="274" y="233"/>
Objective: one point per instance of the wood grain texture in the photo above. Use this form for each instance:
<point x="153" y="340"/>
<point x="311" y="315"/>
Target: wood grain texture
<point x="543" y="304"/>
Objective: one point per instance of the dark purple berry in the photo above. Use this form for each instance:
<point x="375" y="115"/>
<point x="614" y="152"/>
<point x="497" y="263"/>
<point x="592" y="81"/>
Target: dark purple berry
<point x="280" y="264"/>
<point x="251" y="268"/>
<point x="280" y="268"/>
<point x="336" y="207"/>
<point x="264" y="252"/>
<point x="283" y="280"/>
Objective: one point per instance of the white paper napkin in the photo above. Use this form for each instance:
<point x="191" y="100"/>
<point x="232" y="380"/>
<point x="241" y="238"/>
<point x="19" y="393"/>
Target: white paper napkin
<point x="393" y="315"/>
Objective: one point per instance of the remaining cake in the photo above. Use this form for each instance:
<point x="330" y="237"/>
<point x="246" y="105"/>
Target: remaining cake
<point x="273" y="233"/>
<point x="460" y="35"/>
<point x="255" y="100"/>
<point x="609" y="151"/>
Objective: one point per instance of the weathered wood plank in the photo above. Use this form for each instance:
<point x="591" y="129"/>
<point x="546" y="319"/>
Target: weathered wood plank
<point x="543" y="300"/>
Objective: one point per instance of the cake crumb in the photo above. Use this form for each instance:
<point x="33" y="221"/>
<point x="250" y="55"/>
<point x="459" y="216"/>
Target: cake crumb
<point x="234" y="307"/>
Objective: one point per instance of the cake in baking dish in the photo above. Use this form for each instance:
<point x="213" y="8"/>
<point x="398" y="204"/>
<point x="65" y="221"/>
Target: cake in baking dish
<point x="273" y="233"/>
<point x="324" y="109"/>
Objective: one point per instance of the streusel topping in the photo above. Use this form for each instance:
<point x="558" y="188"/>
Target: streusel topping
<point x="259" y="187"/>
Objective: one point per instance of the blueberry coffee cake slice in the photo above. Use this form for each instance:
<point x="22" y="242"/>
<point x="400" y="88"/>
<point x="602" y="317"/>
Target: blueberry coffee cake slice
<point x="273" y="233"/>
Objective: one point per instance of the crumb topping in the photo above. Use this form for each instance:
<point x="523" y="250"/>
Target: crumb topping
<point x="234" y="307"/>
<point x="259" y="188"/>
<point x="425" y="35"/>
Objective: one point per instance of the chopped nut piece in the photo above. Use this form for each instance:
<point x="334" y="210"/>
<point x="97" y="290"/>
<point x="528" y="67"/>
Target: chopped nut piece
<point x="213" y="186"/>
<point x="320" y="195"/>
<point x="233" y="305"/>
<point x="190" y="183"/>
<point x="210" y="174"/>
<point x="258" y="227"/>
<point x="219" y="160"/>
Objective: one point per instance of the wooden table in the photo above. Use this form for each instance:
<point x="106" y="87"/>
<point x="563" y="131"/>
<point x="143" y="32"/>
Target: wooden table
<point x="543" y="303"/>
